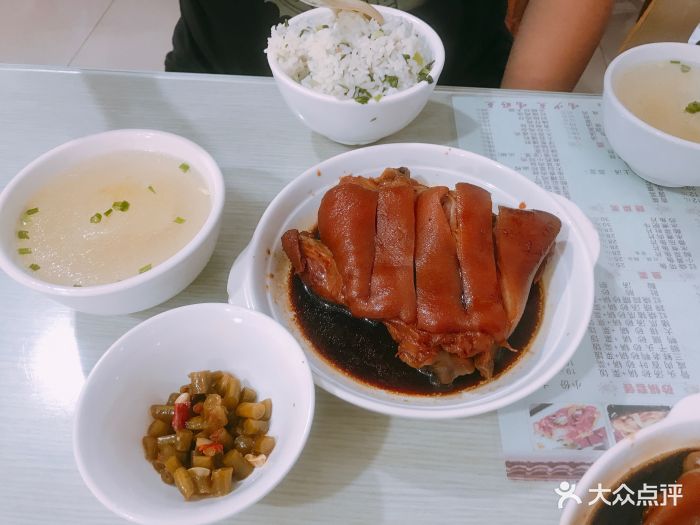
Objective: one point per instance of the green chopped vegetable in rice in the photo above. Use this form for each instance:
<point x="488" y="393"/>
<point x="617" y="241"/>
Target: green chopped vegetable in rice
<point x="350" y="57"/>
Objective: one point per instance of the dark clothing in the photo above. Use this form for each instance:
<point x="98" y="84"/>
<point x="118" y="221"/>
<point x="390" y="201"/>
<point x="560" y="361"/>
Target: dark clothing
<point x="229" y="36"/>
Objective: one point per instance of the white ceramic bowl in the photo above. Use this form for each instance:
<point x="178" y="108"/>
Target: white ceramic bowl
<point x="569" y="275"/>
<point x="152" y="360"/>
<point x="654" y="155"/>
<point x="679" y="430"/>
<point x="135" y="293"/>
<point x="347" y="121"/>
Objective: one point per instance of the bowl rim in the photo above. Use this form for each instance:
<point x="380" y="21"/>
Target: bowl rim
<point x="608" y="88"/>
<point x="576" y="225"/>
<point x="433" y="40"/>
<point x="212" y="174"/>
<point x="103" y="361"/>
<point x="682" y="413"/>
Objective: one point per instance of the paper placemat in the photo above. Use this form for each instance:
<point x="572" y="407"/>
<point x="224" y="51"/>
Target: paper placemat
<point x="641" y="352"/>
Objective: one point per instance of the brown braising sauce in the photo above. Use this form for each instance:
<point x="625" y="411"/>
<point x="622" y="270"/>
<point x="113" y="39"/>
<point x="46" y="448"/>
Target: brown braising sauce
<point x="365" y="351"/>
<point x="660" y="471"/>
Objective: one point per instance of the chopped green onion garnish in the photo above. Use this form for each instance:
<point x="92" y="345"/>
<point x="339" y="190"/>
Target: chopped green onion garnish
<point x="305" y="30"/>
<point x="23" y="234"/>
<point x="150" y="188"/>
<point x="693" y="107"/>
<point x="324" y="26"/>
<point x="96" y="218"/>
<point x="675" y="61"/>
<point x="179" y="220"/>
<point x="361" y="95"/>
<point x="32" y="211"/>
<point x="406" y="57"/>
<point x="392" y="80"/>
<point x="76" y="285"/>
<point x="34" y="267"/>
<point x="121" y="205"/>
<point x="685" y="68"/>
<point x="108" y="212"/>
<point x="24" y="251"/>
<point x="377" y="97"/>
<point x="424" y="74"/>
<point x="418" y="58"/>
<point x="145" y="268"/>
<point x="185" y="167"/>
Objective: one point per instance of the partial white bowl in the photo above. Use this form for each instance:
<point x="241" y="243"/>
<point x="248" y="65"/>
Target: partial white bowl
<point x="347" y="121"/>
<point x="258" y="279"/>
<point x="652" y="154"/>
<point x="141" y="291"/>
<point x="679" y="430"/>
<point x="152" y="360"/>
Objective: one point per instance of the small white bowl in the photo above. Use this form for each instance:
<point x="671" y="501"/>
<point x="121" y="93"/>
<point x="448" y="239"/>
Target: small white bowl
<point x="141" y="291"/>
<point x="152" y="360"/>
<point x="346" y="121"/>
<point x="652" y="154"/>
<point x="258" y="278"/>
<point x="679" y="430"/>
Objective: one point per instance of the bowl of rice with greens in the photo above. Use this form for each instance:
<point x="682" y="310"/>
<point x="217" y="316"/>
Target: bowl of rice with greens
<point x="351" y="79"/>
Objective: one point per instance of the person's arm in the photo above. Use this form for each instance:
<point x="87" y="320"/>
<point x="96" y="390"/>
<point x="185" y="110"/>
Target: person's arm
<point x="555" y="41"/>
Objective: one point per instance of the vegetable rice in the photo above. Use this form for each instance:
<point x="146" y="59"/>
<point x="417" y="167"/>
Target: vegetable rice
<point x="350" y="57"/>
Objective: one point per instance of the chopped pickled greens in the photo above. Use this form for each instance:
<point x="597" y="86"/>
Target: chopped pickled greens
<point x="76" y="285"/>
<point x="675" y="61"/>
<point x="34" y="267"/>
<point x="392" y="80"/>
<point x="179" y="220"/>
<point x="150" y="188"/>
<point x="418" y="58"/>
<point x="108" y="212"/>
<point x="378" y="97"/>
<point x="184" y="167"/>
<point x="361" y="95"/>
<point x="96" y="218"/>
<point x="23" y="234"/>
<point x="323" y="26"/>
<point x="406" y="57"/>
<point x="32" y="211"/>
<point x="121" y="205"/>
<point x="693" y="107"/>
<point x="144" y="269"/>
<point x="685" y="68"/>
<point x="24" y="251"/>
<point x="305" y="30"/>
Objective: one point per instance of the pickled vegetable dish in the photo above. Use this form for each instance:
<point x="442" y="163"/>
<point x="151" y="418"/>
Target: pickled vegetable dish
<point x="208" y="435"/>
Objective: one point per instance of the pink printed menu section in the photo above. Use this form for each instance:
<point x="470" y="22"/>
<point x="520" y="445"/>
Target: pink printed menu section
<point x="640" y="353"/>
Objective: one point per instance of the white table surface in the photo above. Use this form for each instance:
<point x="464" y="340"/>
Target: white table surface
<point x="358" y="467"/>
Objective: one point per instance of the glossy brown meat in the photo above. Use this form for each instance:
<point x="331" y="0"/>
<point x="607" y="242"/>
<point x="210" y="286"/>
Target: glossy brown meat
<point x="523" y="239"/>
<point x="438" y="283"/>
<point x="472" y="225"/>
<point x="392" y="293"/>
<point x="346" y="225"/>
<point x="315" y="265"/>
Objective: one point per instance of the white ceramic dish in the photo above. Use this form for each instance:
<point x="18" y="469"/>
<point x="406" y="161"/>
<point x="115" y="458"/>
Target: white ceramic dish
<point x="653" y="154"/>
<point x="570" y="285"/>
<point x="679" y="430"/>
<point x="347" y="121"/>
<point x="141" y="291"/>
<point x="152" y="360"/>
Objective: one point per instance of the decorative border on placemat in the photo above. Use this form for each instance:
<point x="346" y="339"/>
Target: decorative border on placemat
<point x="546" y="470"/>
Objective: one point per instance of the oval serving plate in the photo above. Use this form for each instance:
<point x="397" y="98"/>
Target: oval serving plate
<point x="258" y="278"/>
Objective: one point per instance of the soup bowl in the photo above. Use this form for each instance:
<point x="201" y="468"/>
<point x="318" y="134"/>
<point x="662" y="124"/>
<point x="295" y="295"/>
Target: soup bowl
<point x="679" y="430"/>
<point x="135" y="293"/>
<point x="347" y="121"/>
<point x="654" y="155"/>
